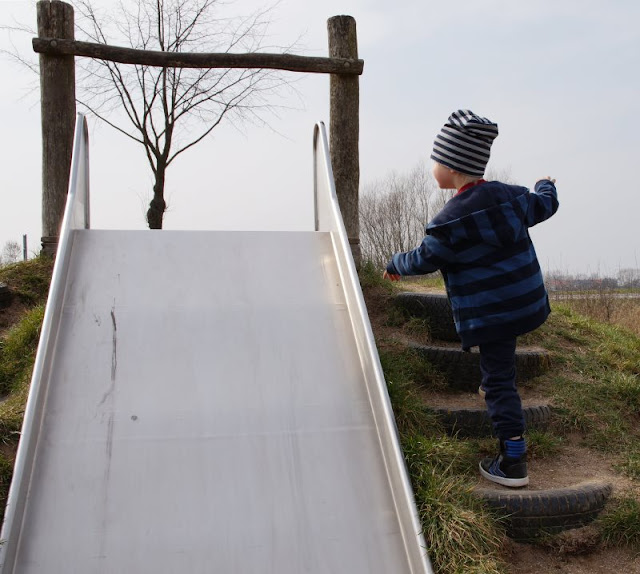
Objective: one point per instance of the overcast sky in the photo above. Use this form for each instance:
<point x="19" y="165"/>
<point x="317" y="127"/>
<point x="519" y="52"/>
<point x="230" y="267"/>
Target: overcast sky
<point x="560" y="77"/>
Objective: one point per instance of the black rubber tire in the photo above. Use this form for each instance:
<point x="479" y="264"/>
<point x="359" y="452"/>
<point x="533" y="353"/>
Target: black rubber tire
<point x="5" y="296"/>
<point x="476" y="422"/>
<point x="530" y="514"/>
<point x="435" y="308"/>
<point x="462" y="369"/>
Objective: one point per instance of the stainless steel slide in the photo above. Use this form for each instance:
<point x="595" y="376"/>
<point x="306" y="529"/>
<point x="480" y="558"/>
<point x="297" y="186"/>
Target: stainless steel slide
<point x="208" y="402"/>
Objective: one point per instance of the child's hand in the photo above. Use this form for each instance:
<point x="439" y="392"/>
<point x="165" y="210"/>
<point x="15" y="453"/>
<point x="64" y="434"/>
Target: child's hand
<point x="391" y="276"/>
<point x="548" y="178"/>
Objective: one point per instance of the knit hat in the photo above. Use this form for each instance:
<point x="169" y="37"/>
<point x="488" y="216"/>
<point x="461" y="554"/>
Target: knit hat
<point x="464" y="143"/>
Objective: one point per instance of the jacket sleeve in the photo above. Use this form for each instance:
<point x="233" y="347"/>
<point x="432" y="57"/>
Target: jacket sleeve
<point x="543" y="203"/>
<point x="428" y="257"/>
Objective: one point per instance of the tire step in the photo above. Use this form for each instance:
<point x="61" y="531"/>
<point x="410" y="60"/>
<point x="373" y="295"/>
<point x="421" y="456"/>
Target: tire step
<point x="5" y="296"/>
<point x="529" y="514"/>
<point x="434" y="308"/>
<point x="476" y="422"/>
<point x="462" y="369"/>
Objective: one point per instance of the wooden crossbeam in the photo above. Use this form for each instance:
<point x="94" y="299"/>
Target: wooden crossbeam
<point x="288" y="62"/>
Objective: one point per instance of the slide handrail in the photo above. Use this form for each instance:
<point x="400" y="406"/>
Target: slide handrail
<point x="76" y="216"/>
<point x="328" y="217"/>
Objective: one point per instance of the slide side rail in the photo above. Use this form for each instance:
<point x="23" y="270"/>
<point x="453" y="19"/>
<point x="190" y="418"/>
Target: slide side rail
<point x="329" y="218"/>
<point x="76" y="216"/>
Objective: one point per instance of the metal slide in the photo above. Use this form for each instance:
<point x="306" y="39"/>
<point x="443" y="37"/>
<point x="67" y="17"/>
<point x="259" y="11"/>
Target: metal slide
<point x="208" y="402"/>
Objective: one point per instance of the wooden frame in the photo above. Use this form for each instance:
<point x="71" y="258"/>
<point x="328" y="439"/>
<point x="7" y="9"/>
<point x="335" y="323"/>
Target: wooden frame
<point x="57" y="48"/>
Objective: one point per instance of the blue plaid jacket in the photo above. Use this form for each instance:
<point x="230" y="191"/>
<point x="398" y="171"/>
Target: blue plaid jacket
<point x="480" y="241"/>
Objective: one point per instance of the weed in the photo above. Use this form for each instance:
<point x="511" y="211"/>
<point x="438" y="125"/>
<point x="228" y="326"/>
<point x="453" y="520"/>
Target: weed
<point x="620" y="525"/>
<point x="396" y="317"/>
<point x="426" y="282"/>
<point x="418" y="330"/>
<point x="542" y="444"/>
<point x="449" y="454"/>
<point x="403" y="364"/>
<point x="6" y="472"/>
<point x="462" y="536"/>
<point x="12" y="413"/>
<point x="630" y="464"/>
<point x="29" y="280"/>
<point x="370" y="277"/>
<point x="409" y="410"/>
<point x="572" y="542"/>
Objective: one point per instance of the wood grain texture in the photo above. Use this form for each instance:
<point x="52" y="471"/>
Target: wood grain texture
<point x="344" y="128"/>
<point x="58" y="108"/>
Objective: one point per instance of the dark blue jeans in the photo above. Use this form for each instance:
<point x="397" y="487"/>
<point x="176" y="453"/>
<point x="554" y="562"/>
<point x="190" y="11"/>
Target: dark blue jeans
<point x="498" y="368"/>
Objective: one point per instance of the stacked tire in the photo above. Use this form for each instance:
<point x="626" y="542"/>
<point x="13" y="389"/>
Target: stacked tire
<point x="527" y="514"/>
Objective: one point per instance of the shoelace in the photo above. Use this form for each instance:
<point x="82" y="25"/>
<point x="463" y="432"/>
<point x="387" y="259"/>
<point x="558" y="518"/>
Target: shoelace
<point x="494" y="468"/>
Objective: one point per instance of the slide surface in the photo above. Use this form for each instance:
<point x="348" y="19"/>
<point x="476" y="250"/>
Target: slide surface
<point x="206" y="412"/>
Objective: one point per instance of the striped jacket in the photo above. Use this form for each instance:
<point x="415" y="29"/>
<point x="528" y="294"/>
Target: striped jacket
<point x="480" y="241"/>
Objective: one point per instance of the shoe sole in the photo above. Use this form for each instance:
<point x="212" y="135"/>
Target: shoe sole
<point x="511" y="482"/>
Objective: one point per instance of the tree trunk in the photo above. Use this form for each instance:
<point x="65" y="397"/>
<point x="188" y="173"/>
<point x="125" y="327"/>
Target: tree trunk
<point x="157" y="207"/>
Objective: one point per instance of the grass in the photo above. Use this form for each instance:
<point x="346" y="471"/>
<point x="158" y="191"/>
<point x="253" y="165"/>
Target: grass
<point x="29" y="283"/>
<point x="461" y="534"/>
<point x="6" y="471"/>
<point x="607" y="306"/>
<point x="596" y="385"/>
<point x="630" y="463"/>
<point x="542" y="444"/>
<point x="371" y="276"/>
<point x="28" y="280"/>
<point x="17" y="351"/>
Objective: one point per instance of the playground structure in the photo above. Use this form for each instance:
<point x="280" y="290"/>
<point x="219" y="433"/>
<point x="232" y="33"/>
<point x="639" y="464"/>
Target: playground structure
<point x="57" y="48"/>
<point x="180" y="423"/>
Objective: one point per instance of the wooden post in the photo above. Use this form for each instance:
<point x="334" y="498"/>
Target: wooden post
<point x="344" y="127"/>
<point x="58" y="111"/>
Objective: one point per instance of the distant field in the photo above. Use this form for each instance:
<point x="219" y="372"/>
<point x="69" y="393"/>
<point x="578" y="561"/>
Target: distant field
<point x="618" y="308"/>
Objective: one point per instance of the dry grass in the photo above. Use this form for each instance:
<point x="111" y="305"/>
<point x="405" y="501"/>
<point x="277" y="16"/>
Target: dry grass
<point x="627" y="314"/>
<point x="606" y="306"/>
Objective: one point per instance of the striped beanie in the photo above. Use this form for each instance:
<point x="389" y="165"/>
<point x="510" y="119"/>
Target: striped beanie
<point x="464" y="143"/>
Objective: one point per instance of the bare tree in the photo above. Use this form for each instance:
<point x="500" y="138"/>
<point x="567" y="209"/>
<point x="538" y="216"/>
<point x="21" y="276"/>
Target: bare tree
<point x="169" y="110"/>
<point x="394" y="212"/>
<point x="11" y="253"/>
<point x="440" y="198"/>
<point x="629" y="278"/>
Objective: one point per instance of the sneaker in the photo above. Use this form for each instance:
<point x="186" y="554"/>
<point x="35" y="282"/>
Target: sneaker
<point x="509" y="467"/>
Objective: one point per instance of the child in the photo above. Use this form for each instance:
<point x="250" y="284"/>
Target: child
<point x="481" y="244"/>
